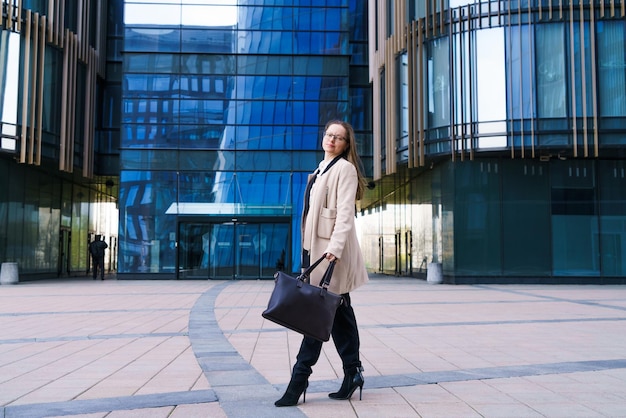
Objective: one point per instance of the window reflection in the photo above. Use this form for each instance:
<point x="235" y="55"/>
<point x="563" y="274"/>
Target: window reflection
<point x="438" y="83"/>
<point x="490" y="76"/>
<point x="611" y="64"/>
<point x="10" y="61"/>
<point x="551" y="80"/>
<point x="211" y="87"/>
<point x="218" y="13"/>
<point x="152" y="14"/>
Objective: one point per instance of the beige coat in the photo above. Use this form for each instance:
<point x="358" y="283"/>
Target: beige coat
<point x="329" y="228"/>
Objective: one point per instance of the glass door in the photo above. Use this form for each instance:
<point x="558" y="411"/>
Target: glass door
<point x="232" y="250"/>
<point x="221" y="251"/>
<point x="274" y="248"/>
<point x="193" y="256"/>
<point x="250" y="246"/>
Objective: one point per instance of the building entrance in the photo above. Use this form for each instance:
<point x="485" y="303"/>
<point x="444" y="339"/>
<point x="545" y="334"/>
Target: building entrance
<point x="235" y="249"/>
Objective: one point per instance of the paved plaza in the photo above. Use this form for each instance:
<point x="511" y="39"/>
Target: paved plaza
<point x="180" y="349"/>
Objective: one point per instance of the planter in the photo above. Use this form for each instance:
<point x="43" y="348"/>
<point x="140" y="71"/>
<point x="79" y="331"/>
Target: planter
<point x="434" y="274"/>
<point x="9" y="273"/>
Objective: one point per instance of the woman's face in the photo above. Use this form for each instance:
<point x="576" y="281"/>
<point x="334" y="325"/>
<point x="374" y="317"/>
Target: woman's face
<point x="335" y="141"/>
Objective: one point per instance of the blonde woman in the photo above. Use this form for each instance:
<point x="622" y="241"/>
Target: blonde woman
<point x="328" y="229"/>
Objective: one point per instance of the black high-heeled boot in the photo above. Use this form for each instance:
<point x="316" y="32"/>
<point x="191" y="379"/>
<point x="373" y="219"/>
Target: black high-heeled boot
<point x="297" y="386"/>
<point x="351" y="380"/>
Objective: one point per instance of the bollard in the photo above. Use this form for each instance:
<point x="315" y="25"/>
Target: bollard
<point x="434" y="274"/>
<point x="8" y="273"/>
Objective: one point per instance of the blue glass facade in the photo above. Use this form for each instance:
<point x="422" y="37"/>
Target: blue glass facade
<point x="222" y="111"/>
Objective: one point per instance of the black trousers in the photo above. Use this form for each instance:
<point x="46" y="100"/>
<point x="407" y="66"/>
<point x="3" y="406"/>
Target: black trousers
<point x="98" y="263"/>
<point x="345" y="335"/>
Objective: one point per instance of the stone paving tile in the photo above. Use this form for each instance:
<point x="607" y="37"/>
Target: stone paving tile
<point x="197" y="348"/>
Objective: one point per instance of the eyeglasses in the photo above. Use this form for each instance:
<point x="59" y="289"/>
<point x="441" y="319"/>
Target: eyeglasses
<point x="334" y="137"/>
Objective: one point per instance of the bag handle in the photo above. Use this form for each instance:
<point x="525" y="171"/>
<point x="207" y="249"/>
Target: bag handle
<point x="325" y="282"/>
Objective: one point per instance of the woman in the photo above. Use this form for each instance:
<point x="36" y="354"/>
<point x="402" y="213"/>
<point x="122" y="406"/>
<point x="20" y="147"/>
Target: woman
<point x="328" y="229"/>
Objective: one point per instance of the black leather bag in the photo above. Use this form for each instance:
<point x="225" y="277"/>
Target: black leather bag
<point x="302" y="307"/>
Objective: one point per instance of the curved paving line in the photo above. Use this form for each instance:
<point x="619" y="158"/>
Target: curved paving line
<point x="233" y="378"/>
<point x="240" y="389"/>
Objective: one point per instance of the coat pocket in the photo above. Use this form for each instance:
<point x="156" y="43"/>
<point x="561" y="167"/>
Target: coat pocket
<point x="326" y="222"/>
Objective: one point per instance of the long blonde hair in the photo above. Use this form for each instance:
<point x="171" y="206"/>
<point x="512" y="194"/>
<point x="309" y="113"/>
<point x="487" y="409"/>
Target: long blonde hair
<point x="351" y="154"/>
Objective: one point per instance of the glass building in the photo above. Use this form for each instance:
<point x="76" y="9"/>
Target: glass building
<point x="223" y="104"/>
<point x="498" y="140"/>
<point x="183" y="131"/>
<point x="58" y="174"/>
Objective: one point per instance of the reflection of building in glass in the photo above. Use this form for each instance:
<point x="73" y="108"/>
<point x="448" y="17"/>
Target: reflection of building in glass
<point x="58" y="171"/>
<point x="497" y="150"/>
<point x="221" y="123"/>
<point x="498" y="138"/>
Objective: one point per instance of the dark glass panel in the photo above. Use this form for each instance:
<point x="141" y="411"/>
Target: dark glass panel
<point x="196" y="250"/>
<point x="438" y="83"/>
<point x="327" y="18"/>
<point x="202" y="112"/>
<point x="550" y="70"/>
<point x="265" y="42"/>
<point x="307" y="161"/>
<point x="146" y="135"/>
<point x="361" y="108"/>
<point x="321" y="66"/>
<point x="276" y="255"/>
<point x="266" y="65"/>
<point x="359" y="54"/>
<point x="207" y="64"/>
<point x="478" y="222"/>
<point x="51" y="111"/>
<point x="146" y="228"/>
<point x="583" y="75"/>
<point x="221" y="248"/>
<point x="550" y="140"/>
<point x="149" y="159"/>
<point x="111" y="107"/>
<point x="151" y="85"/>
<point x="263" y="161"/>
<point x="573" y="201"/>
<point x="203" y="39"/>
<point x="196" y="186"/>
<point x="150" y="110"/>
<point x="320" y="43"/>
<point x="265" y="187"/>
<point x="151" y="40"/>
<point x="204" y="86"/>
<point x="201" y="136"/>
<point x="205" y="159"/>
<point x="307" y="137"/>
<point x="575" y="240"/>
<point x="358" y="21"/>
<point x="151" y="63"/>
<point x="270" y="87"/>
<point x="272" y="137"/>
<point x="526" y="218"/>
<point x="518" y="66"/>
<point x="265" y="18"/>
<point x="611" y="63"/>
<point x="264" y="112"/>
<point x="38" y="6"/>
<point x="612" y="190"/>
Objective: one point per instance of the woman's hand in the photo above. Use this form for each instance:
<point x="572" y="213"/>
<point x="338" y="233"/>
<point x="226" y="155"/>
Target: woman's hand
<point x="330" y="257"/>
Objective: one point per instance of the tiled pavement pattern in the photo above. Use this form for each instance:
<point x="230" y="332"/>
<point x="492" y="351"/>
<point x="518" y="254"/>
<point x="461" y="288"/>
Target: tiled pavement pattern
<point x="154" y="348"/>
